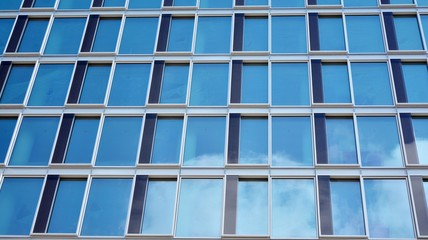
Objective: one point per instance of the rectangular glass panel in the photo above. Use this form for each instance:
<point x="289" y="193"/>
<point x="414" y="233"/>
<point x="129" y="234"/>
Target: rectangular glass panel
<point x="290" y="84"/>
<point x="416" y="82"/>
<point x="167" y="141"/>
<point x="95" y="84"/>
<point x="16" y="84"/>
<point x="65" y="36"/>
<point x="424" y="21"/>
<point x="106" y="36"/>
<point x="331" y="33"/>
<point x="174" y="83"/>
<point x="289" y="34"/>
<point x="215" y="4"/>
<point x="139" y="35"/>
<point x="44" y="3"/>
<point x="329" y="2"/>
<point x="213" y="35"/>
<point x="10" y="5"/>
<point x="113" y="3"/>
<point x="209" y="84"/>
<point x="255" y="34"/>
<point x="420" y="126"/>
<point x="288" y="3"/>
<point x="335" y="80"/>
<point x="256" y="2"/>
<point x="82" y="141"/>
<point x="73" y="4"/>
<point x="184" y="3"/>
<point x="144" y="4"/>
<point x="181" y="35"/>
<point x="253" y="141"/>
<point x="33" y="35"/>
<point x="7" y="127"/>
<point x="407" y="32"/>
<point x="254" y="83"/>
<point x="364" y="34"/>
<point x="360" y="3"/>
<point x="423" y="3"/>
<point x="200" y="208"/>
<point x="6" y="25"/>
<point x="341" y="144"/>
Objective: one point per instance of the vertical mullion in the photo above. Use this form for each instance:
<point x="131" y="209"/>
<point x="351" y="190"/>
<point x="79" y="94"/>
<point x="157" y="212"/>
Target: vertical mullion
<point x="326" y="217"/>
<point x="233" y="148"/>
<point x="314" y="37"/>
<point x="138" y="202"/>
<point x="235" y="95"/>
<point x="98" y="3"/>
<point x="420" y="204"/>
<point x="231" y="204"/>
<point x="409" y="138"/>
<point x="317" y="86"/>
<point x="164" y="32"/>
<point x="312" y="2"/>
<point x="391" y="36"/>
<point x="239" y="2"/>
<point x="28" y="3"/>
<point x="90" y="33"/>
<point x="46" y="204"/>
<point x="148" y="137"/>
<point x="400" y="86"/>
<point x="167" y="3"/>
<point x="77" y="83"/>
<point x="156" y="83"/>
<point x="321" y="138"/>
<point x="238" y="33"/>
<point x="17" y="32"/>
<point x="63" y="137"/>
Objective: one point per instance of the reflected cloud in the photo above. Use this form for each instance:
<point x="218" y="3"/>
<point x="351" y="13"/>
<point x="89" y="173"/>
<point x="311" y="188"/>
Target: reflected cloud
<point x="284" y="159"/>
<point x="205" y="160"/>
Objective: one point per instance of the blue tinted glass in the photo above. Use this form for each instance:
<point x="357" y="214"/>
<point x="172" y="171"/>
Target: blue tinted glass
<point x="144" y="4"/>
<point x="73" y="4"/>
<point x="33" y="36"/>
<point x="379" y="142"/>
<point x="18" y="203"/>
<point x="167" y="136"/>
<point x="291" y="141"/>
<point x="289" y="34"/>
<point x="364" y="34"/>
<point x="256" y="2"/>
<point x="180" y="35"/>
<point x="360" y="3"/>
<point x="290" y="85"/>
<point x="347" y="208"/>
<point x="341" y="141"/>
<point x="424" y="20"/>
<point x="252" y="208"/>
<point x="107" y="207"/>
<point x="381" y="197"/>
<point x="51" y="85"/>
<point x="114" y="3"/>
<point x="407" y="32"/>
<point x="255" y="34"/>
<point x="335" y="81"/>
<point x="253" y="141"/>
<point x="129" y="86"/>
<point x="33" y="146"/>
<point x="213" y="35"/>
<point x="66" y="209"/>
<point x="17" y="84"/>
<point x="215" y="4"/>
<point x="288" y="3"/>
<point x="416" y="81"/>
<point x="420" y="126"/>
<point x="200" y="208"/>
<point x="10" y="4"/>
<point x="209" y="84"/>
<point x="174" y="83"/>
<point x="82" y="141"/>
<point x="106" y="36"/>
<point x="65" y="36"/>
<point x="254" y="83"/>
<point x="293" y="208"/>
<point x="329" y="2"/>
<point x="205" y="141"/>
<point x="95" y="84"/>
<point x="44" y="3"/>
<point x="401" y="1"/>
<point x="139" y="36"/>
<point x="331" y="33"/>
<point x="7" y="127"/>
<point x="159" y="208"/>
<point x="184" y="2"/>
<point x="371" y="84"/>
<point x="6" y="25"/>
<point x="423" y="3"/>
<point x="119" y="141"/>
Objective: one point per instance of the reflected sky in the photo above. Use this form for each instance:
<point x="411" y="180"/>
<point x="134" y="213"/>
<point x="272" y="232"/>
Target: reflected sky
<point x="341" y="141"/>
<point x="253" y="141"/>
<point x="420" y="126"/>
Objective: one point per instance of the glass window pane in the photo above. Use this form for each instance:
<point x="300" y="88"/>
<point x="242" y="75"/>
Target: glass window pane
<point x="167" y="136"/>
<point x="17" y="84"/>
<point x="65" y="36"/>
<point x="10" y="5"/>
<point x="291" y="141"/>
<point x="51" y="85"/>
<point x="200" y="208"/>
<point x="289" y="34"/>
<point x="119" y="141"/>
<point x="184" y="3"/>
<point x="290" y="84"/>
<point x="420" y="127"/>
<point x="329" y="2"/>
<point x="209" y="84"/>
<point x="341" y="141"/>
<point x="6" y="25"/>
<point x="73" y="4"/>
<point x="82" y="141"/>
<point x="44" y="3"/>
<point x="331" y="33"/>
<point x="423" y="3"/>
<point x="106" y="36"/>
<point x="253" y="141"/>
<point x="33" y="146"/>
<point x="129" y="87"/>
<point x="66" y="209"/>
<point x="424" y="20"/>
<point x="407" y="32"/>
<point x="33" y="36"/>
<point x="252" y="208"/>
<point x="254" y="83"/>
<point x="174" y="83"/>
<point x="18" y="204"/>
<point x="180" y="35"/>
<point x="107" y="207"/>
<point x="335" y="81"/>
<point x="364" y="34"/>
<point x="144" y="4"/>
<point x="288" y="3"/>
<point x="139" y="36"/>
<point x="255" y="34"/>
<point x="213" y="35"/>
<point x="95" y="84"/>
<point x="159" y="207"/>
<point x="293" y="208"/>
<point x="371" y="84"/>
<point x="205" y="138"/>
<point x="113" y="3"/>
<point x="400" y="1"/>
<point x="215" y="4"/>
<point x="416" y="82"/>
<point x="7" y="127"/>
<point x="256" y="2"/>
<point x="379" y="142"/>
<point x="360" y="3"/>
<point x="381" y="197"/>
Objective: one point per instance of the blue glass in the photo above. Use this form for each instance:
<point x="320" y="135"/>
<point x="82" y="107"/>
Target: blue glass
<point x="253" y="141"/>
<point x="407" y="32"/>
<point x="420" y="127"/>
<point x="66" y="209"/>
<point x="424" y="20"/>
<point x="288" y="3"/>
<point x="200" y="208"/>
<point x="335" y="81"/>
<point x="159" y="207"/>
<point x="215" y="4"/>
<point x="254" y="88"/>
<point x="174" y="83"/>
<point x="119" y="141"/>
<point x="381" y="197"/>
<point x="35" y="140"/>
<point x="329" y="2"/>
<point x="7" y="127"/>
<point x="6" y="25"/>
<point x="10" y="5"/>
<point x="33" y="36"/>
<point x="331" y="33"/>
<point x="291" y="141"/>
<point x="347" y="208"/>
<point x="73" y="4"/>
<point x="17" y="84"/>
<point x="416" y="82"/>
<point x="213" y="35"/>
<point x="129" y="87"/>
<point x="256" y="2"/>
<point x="107" y="207"/>
<point x="379" y="141"/>
<point x="255" y="34"/>
<point x="293" y="208"/>
<point x="289" y="34"/>
<point x="18" y="204"/>
<point x="106" y="36"/>
<point x="82" y="141"/>
<point x="360" y="3"/>
<point x="181" y="35"/>
<point x="44" y="3"/>
<point x="144" y="4"/>
<point x="290" y="84"/>
<point x="252" y="208"/>
<point x="401" y="1"/>
<point x="426" y="191"/>
<point x="65" y="36"/>
<point x="167" y="136"/>
<point x="184" y="3"/>
<point x="139" y="36"/>
<point x="95" y="84"/>
<point x="341" y="144"/>
<point x="51" y="85"/>
<point x="205" y="138"/>
<point x="113" y="3"/>
<point x="423" y="3"/>
<point x="364" y="34"/>
<point x="209" y="84"/>
<point x="371" y="84"/>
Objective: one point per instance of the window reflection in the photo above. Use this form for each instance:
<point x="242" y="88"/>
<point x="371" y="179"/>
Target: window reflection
<point x="16" y="84"/>
<point x="335" y="80"/>
<point x="290" y="85"/>
<point x="254" y="83"/>
<point x="7" y="127"/>
<point x="167" y="136"/>
<point x="341" y="141"/>
<point x="253" y="141"/>
<point x="420" y="126"/>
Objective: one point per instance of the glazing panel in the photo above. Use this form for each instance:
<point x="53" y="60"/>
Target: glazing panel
<point x="256" y="2"/>
<point x="10" y="5"/>
<point x="289" y="34"/>
<point x="254" y="83"/>
<point x="139" y="35"/>
<point x="420" y="126"/>
<point x="6" y="25"/>
<point x="44" y="3"/>
<point x="65" y="36"/>
<point x="255" y="34"/>
<point x="364" y="34"/>
<point x="114" y="3"/>
<point x="290" y="84"/>
<point x="184" y="3"/>
<point x="423" y="3"/>
<point x="16" y="84"/>
<point x="7" y="127"/>
<point x="73" y="4"/>
<point x="215" y="4"/>
<point x="209" y="84"/>
<point x="213" y="35"/>
<point x="401" y="1"/>
<point x="167" y="141"/>
<point x="106" y="36"/>
<point x="329" y="2"/>
<point x="253" y="148"/>
<point x="424" y="20"/>
<point x="144" y="4"/>
<point x="174" y="83"/>
<point x="416" y="81"/>
<point x="33" y="36"/>
<point x="95" y="84"/>
<point x="407" y="32"/>
<point x="82" y="141"/>
<point x="341" y="141"/>
<point x="331" y="33"/>
<point x="360" y="3"/>
<point x="335" y="80"/>
<point x="288" y="3"/>
<point x="181" y="35"/>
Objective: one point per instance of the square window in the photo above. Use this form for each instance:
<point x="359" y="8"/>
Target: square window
<point x="255" y="34"/>
<point x="16" y="85"/>
<point x="34" y="33"/>
<point x="65" y="36"/>
<point x="180" y="35"/>
<point x="139" y="35"/>
<point x="331" y="34"/>
<point x="106" y="36"/>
